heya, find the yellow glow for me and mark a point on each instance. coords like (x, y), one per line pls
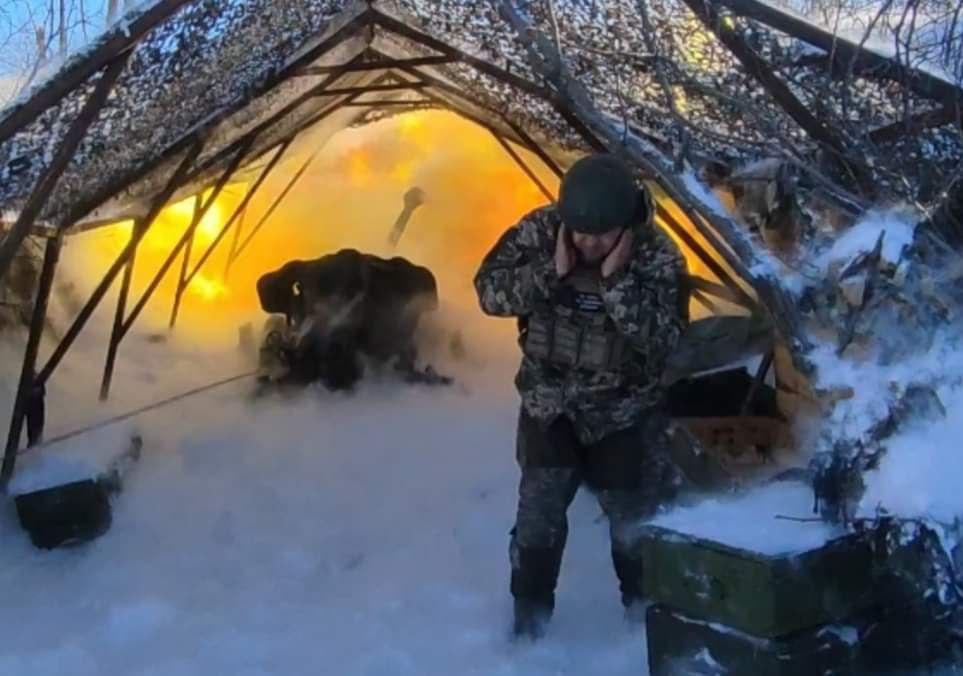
(349, 197)
(206, 288)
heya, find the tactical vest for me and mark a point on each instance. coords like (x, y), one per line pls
(575, 331)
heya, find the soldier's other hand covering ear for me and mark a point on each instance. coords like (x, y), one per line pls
(620, 256)
(565, 257)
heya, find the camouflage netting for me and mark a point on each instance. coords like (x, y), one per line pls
(662, 73)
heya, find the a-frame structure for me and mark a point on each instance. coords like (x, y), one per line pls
(185, 96)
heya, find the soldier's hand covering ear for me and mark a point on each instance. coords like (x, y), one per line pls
(620, 255)
(565, 257)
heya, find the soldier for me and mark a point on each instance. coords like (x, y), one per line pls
(596, 290)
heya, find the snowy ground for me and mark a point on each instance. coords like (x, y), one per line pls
(362, 535)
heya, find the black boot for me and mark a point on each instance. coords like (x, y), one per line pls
(531, 618)
(534, 574)
(629, 571)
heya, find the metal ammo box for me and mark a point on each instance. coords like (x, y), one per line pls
(766, 596)
(680, 645)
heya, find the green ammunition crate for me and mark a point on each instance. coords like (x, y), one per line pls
(762, 595)
(678, 645)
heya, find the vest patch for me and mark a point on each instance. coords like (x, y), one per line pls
(588, 302)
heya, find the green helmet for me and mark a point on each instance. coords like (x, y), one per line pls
(599, 194)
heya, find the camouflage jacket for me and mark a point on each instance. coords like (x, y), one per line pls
(644, 302)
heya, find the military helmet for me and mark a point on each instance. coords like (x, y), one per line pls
(599, 194)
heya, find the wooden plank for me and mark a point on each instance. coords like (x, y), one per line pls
(25, 386)
(159, 201)
(368, 89)
(65, 152)
(387, 104)
(119, 38)
(379, 64)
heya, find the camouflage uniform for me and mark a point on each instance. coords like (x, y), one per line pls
(602, 425)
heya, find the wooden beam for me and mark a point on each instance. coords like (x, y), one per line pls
(452, 90)
(379, 64)
(119, 38)
(114, 342)
(238, 231)
(172, 255)
(158, 203)
(348, 30)
(314, 119)
(185, 261)
(760, 70)
(726, 293)
(262, 128)
(64, 153)
(388, 104)
(241, 208)
(270, 211)
(703, 300)
(189, 237)
(368, 89)
(915, 124)
(737, 292)
(844, 52)
(26, 386)
(524, 167)
(393, 25)
(756, 383)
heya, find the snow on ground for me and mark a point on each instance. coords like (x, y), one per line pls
(323, 534)
(898, 223)
(920, 474)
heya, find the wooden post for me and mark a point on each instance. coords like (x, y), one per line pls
(158, 203)
(136, 235)
(179, 290)
(182, 242)
(238, 231)
(27, 386)
(757, 383)
(65, 152)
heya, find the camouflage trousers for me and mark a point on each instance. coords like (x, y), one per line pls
(629, 471)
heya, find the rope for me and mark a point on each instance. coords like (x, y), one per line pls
(138, 411)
